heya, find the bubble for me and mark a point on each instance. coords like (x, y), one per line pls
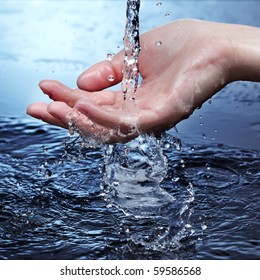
(158, 43)
(110, 78)
(207, 166)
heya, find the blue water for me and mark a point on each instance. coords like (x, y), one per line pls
(52, 205)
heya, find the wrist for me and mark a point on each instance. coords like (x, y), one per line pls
(246, 52)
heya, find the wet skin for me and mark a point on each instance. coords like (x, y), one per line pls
(195, 60)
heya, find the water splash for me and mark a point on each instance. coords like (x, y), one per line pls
(133, 171)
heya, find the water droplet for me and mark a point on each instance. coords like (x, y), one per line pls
(158, 43)
(111, 78)
(215, 130)
(177, 144)
(175, 179)
(71, 131)
(204, 136)
(192, 149)
(38, 170)
(45, 149)
(203, 227)
(115, 183)
(167, 145)
(210, 101)
(167, 14)
(47, 174)
(159, 4)
(110, 56)
(207, 166)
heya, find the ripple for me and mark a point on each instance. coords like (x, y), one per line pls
(214, 203)
(215, 176)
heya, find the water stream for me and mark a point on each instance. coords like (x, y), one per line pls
(132, 49)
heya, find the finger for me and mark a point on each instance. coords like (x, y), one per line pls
(105, 97)
(98, 114)
(60, 111)
(59, 92)
(97, 133)
(123, 123)
(102, 75)
(39, 111)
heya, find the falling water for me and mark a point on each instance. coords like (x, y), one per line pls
(133, 171)
(132, 49)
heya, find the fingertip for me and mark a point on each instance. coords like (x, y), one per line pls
(44, 85)
(102, 75)
(29, 109)
(53, 86)
(35, 109)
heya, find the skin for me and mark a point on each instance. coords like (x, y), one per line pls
(195, 60)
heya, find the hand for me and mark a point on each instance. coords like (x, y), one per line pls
(182, 64)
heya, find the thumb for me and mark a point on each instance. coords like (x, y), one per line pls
(102, 75)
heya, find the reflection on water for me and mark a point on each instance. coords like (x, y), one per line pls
(214, 210)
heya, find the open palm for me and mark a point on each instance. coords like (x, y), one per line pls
(182, 64)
